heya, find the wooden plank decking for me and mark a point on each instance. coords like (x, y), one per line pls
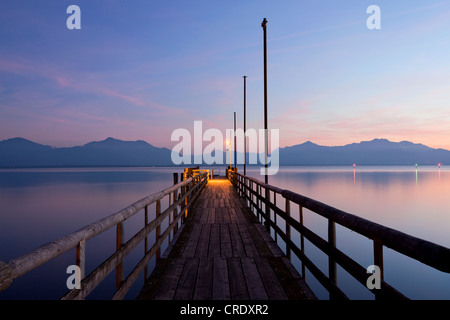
(223, 253)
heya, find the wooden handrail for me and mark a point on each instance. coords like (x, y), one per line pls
(429, 253)
(25, 263)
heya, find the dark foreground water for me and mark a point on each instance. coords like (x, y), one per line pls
(41, 205)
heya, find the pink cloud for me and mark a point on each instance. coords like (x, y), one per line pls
(115, 94)
(81, 83)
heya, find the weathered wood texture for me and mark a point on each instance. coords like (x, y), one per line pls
(5, 275)
(223, 253)
(253, 191)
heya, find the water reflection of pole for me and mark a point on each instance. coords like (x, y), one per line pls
(416, 173)
(354, 173)
(439, 165)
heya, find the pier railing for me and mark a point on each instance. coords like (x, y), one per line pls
(181, 196)
(261, 198)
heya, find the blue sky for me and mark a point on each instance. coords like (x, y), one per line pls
(141, 69)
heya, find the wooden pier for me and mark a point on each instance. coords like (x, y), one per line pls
(222, 253)
(217, 239)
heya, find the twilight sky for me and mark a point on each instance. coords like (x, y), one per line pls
(137, 70)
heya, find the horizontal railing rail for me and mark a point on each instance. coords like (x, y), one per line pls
(181, 197)
(261, 199)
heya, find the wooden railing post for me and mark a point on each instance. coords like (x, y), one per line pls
(186, 188)
(267, 209)
(288, 228)
(302, 239)
(174, 214)
(258, 202)
(239, 186)
(247, 192)
(242, 181)
(251, 197)
(158, 230)
(188, 198)
(275, 217)
(183, 203)
(192, 185)
(145, 241)
(81, 258)
(255, 197)
(170, 217)
(378, 261)
(119, 243)
(332, 274)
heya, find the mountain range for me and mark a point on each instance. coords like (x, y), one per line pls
(374, 152)
(19, 152)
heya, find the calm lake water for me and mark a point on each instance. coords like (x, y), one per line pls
(41, 205)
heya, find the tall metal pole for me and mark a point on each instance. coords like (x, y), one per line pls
(235, 155)
(266, 165)
(245, 125)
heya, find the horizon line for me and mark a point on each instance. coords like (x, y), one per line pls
(286, 146)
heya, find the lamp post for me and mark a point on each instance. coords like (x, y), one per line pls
(235, 155)
(245, 125)
(266, 177)
(266, 164)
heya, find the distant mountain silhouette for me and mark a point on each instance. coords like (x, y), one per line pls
(375, 152)
(19, 152)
